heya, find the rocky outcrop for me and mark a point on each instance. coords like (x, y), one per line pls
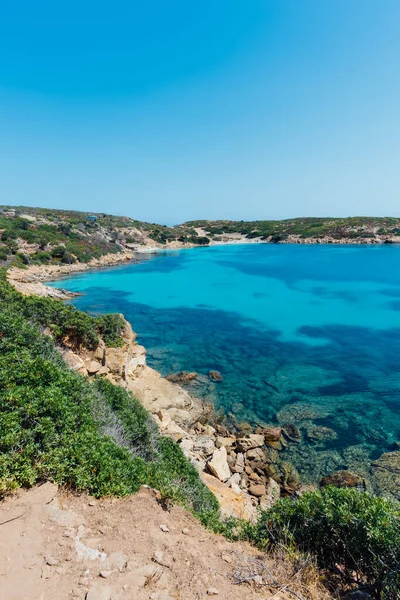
(386, 474)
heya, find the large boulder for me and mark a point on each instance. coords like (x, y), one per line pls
(254, 440)
(231, 503)
(218, 465)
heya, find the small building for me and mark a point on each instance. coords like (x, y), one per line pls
(92, 218)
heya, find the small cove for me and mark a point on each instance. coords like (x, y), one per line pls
(303, 334)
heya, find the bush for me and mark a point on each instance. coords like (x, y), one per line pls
(354, 536)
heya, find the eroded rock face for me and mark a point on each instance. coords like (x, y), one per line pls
(386, 474)
(231, 503)
(253, 440)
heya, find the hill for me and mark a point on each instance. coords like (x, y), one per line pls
(48, 236)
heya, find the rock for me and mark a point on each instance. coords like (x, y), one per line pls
(271, 434)
(212, 591)
(256, 457)
(187, 446)
(182, 377)
(238, 466)
(158, 557)
(186, 531)
(231, 504)
(272, 494)
(204, 444)
(93, 367)
(228, 442)
(52, 561)
(105, 574)
(97, 592)
(116, 560)
(315, 433)
(291, 432)
(215, 376)
(235, 478)
(209, 430)
(343, 479)
(386, 473)
(164, 528)
(218, 465)
(253, 440)
(257, 489)
(74, 361)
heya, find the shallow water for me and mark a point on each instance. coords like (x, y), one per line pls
(308, 334)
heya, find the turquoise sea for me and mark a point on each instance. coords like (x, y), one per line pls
(304, 334)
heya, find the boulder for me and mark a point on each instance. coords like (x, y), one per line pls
(257, 489)
(93, 367)
(218, 465)
(272, 494)
(343, 479)
(291, 432)
(255, 457)
(238, 466)
(182, 377)
(228, 442)
(231, 503)
(215, 376)
(204, 444)
(271, 434)
(249, 442)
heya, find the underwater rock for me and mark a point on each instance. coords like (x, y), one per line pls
(386, 473)
(343, 479)
(291, 432)
(215, 376)
(316, 433)
(181, 377)
(302, 411)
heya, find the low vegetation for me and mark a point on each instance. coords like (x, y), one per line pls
(353, 536)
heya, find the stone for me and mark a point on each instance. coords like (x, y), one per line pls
(93, 367)
(116, 560)
(218, 465)
(158, 557)
(291, 432)
(52, 561)
(238, 466)
(228, 442)
(271, 434)
(231, 504)
(343, 479)
(182, 377)
(255, 456)
(253, 440)
(316, 433)
(215, 376)
(272, 494)
(97, 592)
(186, 531)
(204, 444)
(105, 574)
(235, 478)
(212, 591)
(257, 489)
(164, 528)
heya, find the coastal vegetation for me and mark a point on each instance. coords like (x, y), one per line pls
(95, 436)
(38, 236)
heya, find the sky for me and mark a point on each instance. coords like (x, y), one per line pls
(215, 109)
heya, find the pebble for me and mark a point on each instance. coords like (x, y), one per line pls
(164, 528)
(105, 574)
(212, 591)
(51, 561)
(186, 531)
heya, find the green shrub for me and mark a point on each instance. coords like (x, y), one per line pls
(354, 536)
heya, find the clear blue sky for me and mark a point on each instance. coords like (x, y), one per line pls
(173, 110)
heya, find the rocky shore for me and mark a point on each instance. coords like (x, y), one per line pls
(243, 467)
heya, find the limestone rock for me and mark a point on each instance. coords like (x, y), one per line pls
(205, 445)
(271, 434)
(257, 489)
(228, 442)
(218, 465)
(181, 377)
(93, 367)
(253, 440)
(231, 504)
(74, 361)
(238, 465)
(272, 494)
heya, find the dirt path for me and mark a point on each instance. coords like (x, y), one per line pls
(57, 546)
